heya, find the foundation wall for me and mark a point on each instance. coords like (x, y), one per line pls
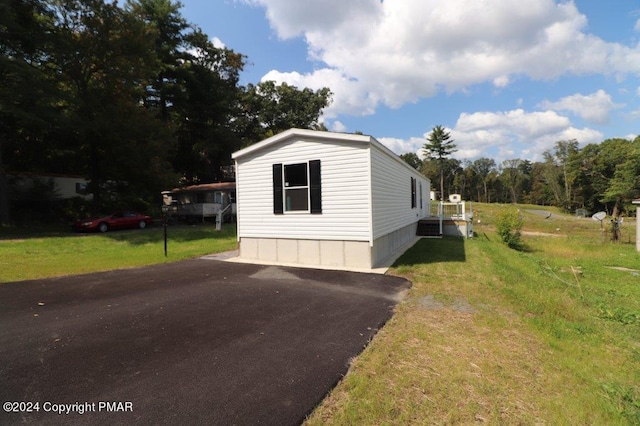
(326, 253)
(389, 244)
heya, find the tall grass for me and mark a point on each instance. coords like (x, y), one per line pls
(40, 255)
(487, 334)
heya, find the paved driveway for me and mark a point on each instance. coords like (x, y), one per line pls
(194, 342)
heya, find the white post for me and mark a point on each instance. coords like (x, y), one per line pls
(637, 203)
(219, 220)
(637, 229)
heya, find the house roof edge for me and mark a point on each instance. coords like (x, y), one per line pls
(287, 134)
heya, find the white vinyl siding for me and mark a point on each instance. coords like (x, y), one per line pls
(392, 193)
(345, 191)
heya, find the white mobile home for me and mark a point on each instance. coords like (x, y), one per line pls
(326, 199)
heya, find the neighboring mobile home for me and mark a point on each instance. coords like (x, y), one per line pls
(326, 199)
(203, 201)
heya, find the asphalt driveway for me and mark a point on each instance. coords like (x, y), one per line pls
(194, 342)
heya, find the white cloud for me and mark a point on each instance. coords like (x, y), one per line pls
(337, 126)
(401, 146)
(502, 81)
(349, 97)
(637, 26)
(217, 43)
(397, 52)
(594, 108)
(504, 135)
(498, 133)
(633, 115)
(298, 18)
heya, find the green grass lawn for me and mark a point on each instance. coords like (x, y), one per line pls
(487, 334)
(51, 253)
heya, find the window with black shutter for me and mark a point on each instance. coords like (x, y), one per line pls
(297, 188)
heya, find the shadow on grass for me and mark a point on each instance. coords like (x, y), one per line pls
(35, 231)
(153, 234)
(448, 249)
(176, 233)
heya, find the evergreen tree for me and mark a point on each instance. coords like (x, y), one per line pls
(439, 147)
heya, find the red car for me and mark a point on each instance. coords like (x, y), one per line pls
(119, 220)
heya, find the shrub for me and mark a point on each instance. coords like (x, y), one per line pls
(509, 224)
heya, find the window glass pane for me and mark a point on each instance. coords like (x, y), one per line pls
(296, 199)
(295, 175)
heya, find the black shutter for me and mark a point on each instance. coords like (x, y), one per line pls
(413, 193)
(315, 188)
(277, 189)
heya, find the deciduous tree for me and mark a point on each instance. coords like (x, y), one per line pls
(268, 109)
(484, 167)
(512, 177)
(102, 60)
(27, 94)
(412, 159)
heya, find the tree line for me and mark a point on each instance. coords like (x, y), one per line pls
(596, 177)
(133, 97)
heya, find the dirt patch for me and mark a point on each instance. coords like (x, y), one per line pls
(458, 305)
(541, 234)
(623, 269)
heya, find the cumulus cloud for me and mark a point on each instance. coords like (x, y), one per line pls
(337, 126)
(217, 43)
(402, 146)
(397, 52)
(349, 97)
(503, 135)
(594, 108)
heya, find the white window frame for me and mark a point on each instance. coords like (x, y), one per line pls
(285, 188)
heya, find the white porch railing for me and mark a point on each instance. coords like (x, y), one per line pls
(452, 211)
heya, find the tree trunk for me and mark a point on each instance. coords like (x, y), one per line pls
(615, 224)
(486, 193)
(95, 178)
(5, 211)
(616, 209)
(441, 183)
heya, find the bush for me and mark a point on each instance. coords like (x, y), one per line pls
(509, 223)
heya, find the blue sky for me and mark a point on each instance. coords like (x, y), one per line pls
(507, 78)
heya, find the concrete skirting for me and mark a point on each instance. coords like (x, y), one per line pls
(388, 245)
(328, 254)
